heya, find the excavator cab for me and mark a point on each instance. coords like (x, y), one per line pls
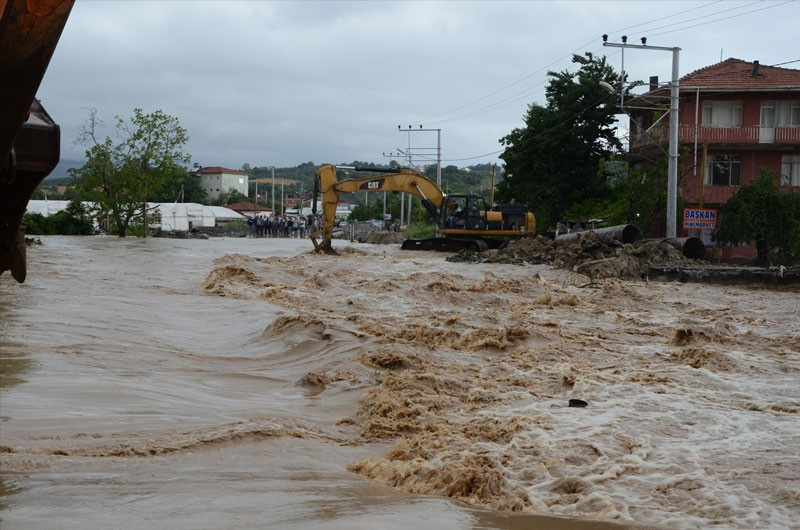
(463, 212)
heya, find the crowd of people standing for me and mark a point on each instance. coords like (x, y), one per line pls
(282, 225)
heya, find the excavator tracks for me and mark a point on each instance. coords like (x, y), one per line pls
(445, 244)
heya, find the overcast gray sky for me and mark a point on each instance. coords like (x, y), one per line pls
(282, 83)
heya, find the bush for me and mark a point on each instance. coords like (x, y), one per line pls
(236, 225)
(35, 224)
(420, 230)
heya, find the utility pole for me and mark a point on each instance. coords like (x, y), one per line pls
(674, 99)
(144, 211)
(273, 190)
(302, 197)
(491, 189)
(422, 150)
(424, 154)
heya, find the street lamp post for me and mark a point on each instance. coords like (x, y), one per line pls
(674, 98)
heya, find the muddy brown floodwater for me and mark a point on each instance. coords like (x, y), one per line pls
(236, 383)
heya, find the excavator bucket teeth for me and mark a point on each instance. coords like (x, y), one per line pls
(324, 246)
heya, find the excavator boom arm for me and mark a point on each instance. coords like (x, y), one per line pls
(396, 180)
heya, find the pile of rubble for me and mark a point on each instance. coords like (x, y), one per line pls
(382, 237)
(589, 254)
(368, 232)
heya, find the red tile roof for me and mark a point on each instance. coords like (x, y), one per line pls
(736, 74)
(215, 170)
(247, 207)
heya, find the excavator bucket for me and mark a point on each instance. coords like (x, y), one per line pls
(323, 246)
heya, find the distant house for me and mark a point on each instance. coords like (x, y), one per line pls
(249, 209)
(216, 180)
(735, 118)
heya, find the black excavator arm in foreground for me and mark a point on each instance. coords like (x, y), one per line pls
(29, 138)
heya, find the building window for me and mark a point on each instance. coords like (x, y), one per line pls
(790, 170)
(780, 113)
(722, 113)
(723, 170)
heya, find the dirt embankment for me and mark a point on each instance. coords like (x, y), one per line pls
(598, 258)
(589, 254)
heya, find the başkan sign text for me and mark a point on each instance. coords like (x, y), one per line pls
(699, 219)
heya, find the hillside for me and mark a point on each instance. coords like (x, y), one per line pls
(61, 170)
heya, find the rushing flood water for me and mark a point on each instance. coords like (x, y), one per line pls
(235, 383)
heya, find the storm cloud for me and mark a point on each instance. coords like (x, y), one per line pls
(282, 83)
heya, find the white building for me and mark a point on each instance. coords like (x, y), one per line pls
(47, 208)
(183, 216)
(217, 180)
(174, 216)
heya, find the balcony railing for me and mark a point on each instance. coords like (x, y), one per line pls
(720, 135)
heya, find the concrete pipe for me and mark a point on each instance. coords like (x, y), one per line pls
(623, 233)
(690, 247)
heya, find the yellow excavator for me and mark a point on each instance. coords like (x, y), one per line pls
(29, 138)
(463, 221)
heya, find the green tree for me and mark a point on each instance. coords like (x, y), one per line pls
(455, 180)
(760, 212)
(231, 196)
(362, 212)
(637, 195)
(553, 161)
(181, 186)
(75, 220)
(120, 177)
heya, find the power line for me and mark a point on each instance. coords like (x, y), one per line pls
(519, 95)
(787, 62)
(505, 87)
(540, 134)
(726, 18)
(530, 89)
(666, 17)
(699, 18)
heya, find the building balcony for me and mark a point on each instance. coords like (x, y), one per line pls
(719, 136)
